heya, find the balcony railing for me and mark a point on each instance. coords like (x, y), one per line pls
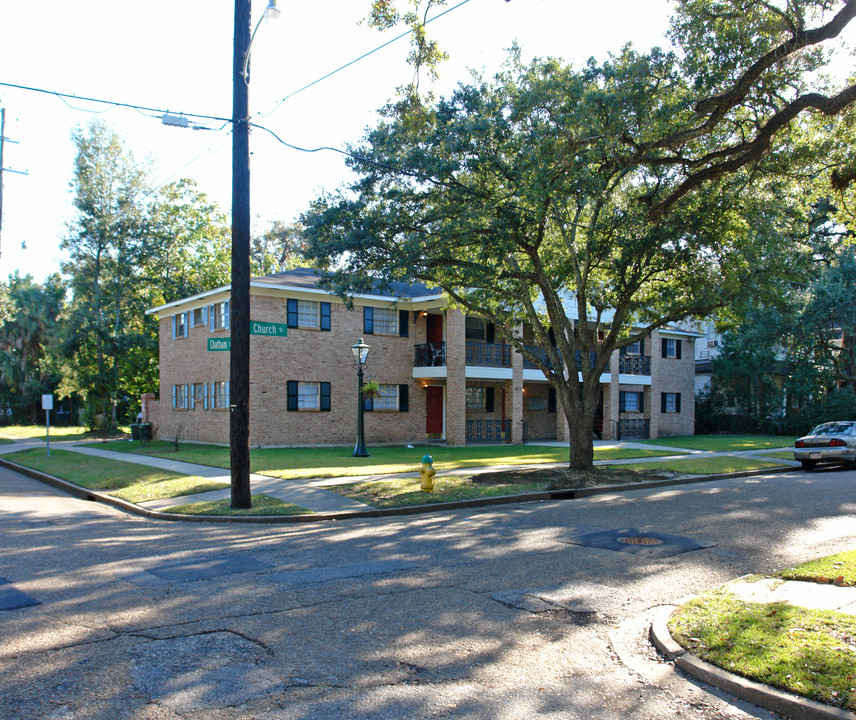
(538, 352)
(633, 428)
(488, 354)
(634, 365)
(430, 355)
(488, 430)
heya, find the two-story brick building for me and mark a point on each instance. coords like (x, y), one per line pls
(441, 375)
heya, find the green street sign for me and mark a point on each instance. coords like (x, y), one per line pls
(268, 328)
(219, 343)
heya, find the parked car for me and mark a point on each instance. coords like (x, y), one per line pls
(832, 442)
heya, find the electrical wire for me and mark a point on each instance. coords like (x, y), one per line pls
(356, 60)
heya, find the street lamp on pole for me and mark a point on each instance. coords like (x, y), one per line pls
(361, 352)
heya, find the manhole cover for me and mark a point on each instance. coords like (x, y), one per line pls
(637, 540)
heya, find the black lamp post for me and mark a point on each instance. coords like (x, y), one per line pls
(361, 352)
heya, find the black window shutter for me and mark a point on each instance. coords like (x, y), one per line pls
(325, 396)
(677, 402)
(665, 351)
(551, 400)
(488, 399)
(622, 401)
(641, 346)
(623, 351)
(325, 316)
(678, 349)
(403, 323)
(368, 321)
(403, 398)
(291, 386)
(641, 402)
(663, 402)
(489, 332)
(291, 320)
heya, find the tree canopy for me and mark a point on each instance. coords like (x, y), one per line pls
(597, 204)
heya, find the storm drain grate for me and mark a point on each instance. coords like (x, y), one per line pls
(647, 543)
(639, 540)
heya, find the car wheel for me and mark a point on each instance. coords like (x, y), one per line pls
(808, 464)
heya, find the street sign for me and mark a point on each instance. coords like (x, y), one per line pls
(268, 328)
(47, 402)
(257, 327)
(219, 343)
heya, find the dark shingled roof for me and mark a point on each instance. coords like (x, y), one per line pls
(309, 277)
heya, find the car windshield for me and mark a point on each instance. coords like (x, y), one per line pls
(833, 428)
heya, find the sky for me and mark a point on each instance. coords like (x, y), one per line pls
(176, 56)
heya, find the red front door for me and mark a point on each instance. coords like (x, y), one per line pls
(434, 410)
(435, 328)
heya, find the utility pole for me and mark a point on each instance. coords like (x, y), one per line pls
(239, 357)
(2, 141)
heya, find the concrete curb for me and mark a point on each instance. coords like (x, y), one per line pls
(549, 495)
(779, 701)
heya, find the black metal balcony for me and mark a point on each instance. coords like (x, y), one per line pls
(634, 365)
(430, 355)
(488, 354)
(488, 431)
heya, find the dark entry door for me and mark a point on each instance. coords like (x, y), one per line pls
(434, 411)
(435, 329)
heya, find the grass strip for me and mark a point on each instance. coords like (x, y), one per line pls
(703, 466)
(262, 505)
(722, 443)
(840, 567)
(807, 652)
(406, 492)
(11, 433)
(129, 481)
(306, 462)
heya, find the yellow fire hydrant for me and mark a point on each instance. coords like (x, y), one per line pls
(428, 473)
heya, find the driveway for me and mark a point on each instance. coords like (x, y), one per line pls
(499, 613)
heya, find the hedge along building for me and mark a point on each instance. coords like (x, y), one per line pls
(442, 375)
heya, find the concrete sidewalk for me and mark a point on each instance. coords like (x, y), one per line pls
(310, 493)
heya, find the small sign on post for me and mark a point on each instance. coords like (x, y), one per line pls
(47, 406)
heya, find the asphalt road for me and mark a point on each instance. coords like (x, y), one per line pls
(488, 614)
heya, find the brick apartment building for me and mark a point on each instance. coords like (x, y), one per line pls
(442, 375)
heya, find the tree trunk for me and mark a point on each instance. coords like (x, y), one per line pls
(582, 447)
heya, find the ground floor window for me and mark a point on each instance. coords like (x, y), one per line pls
(180, 397)
(630, 401)
(670, 402)
(220, 394)
(303, 395)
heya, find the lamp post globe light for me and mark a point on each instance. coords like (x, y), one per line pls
(361, 352)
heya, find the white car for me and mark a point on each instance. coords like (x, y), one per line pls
(832, 442)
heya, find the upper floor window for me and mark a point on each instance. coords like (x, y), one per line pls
(474, 328)
(198, 316)
(179, 325)
(218, 316)
(634, 348)
(308, 314)
(671, 348)
(385, 321)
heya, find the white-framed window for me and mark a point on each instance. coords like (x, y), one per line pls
(218, 316)
(308, 395)
(630, 401)
(475, 398)
(308, 313)
(198, 316)
(180, 397)
(199, 396)
(179, 325)
(634, 348)
(386, 321)
(670, 402)
(387, 398)
(671, 348)
(220, 394)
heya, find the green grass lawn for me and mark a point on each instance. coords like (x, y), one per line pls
(11, 433)
(408, 492)
(723, 443)
(840, 567)
(337, 461)
(807, 652)
(262, 505)
(134, 483)
(704, 466)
